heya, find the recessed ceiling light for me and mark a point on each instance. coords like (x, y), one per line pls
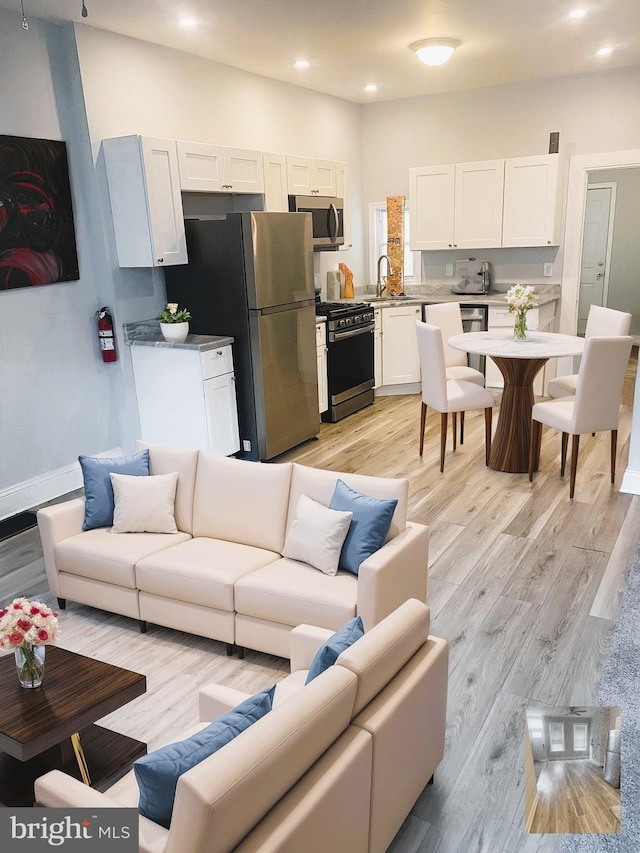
(188, 22)
(302, 63)
(371, 88)
(578, 13)
(605, 51)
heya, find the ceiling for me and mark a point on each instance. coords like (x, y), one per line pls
(351, 43)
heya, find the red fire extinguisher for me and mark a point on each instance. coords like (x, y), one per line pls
(105, 334)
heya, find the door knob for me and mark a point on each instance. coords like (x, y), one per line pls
(599, 275)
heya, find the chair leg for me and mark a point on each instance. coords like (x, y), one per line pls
(461, 428)
(488, 418)
(455, 430)
(575, 446)
(534, 446)
(443, 438)
(563, 453)
(423, 420)
(614, 446)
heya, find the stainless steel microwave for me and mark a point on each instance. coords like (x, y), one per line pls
(327, 216)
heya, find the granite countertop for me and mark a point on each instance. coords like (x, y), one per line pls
(544, 296)
(147, 333)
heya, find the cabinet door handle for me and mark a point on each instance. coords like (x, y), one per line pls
(227, 186)
(160, 261)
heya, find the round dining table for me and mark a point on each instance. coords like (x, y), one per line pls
(518, 361)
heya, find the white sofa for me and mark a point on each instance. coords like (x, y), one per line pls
(222, 575)
(335, 766)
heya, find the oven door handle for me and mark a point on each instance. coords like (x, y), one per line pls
(336, 337)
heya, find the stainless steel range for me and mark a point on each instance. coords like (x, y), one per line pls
(349, 357)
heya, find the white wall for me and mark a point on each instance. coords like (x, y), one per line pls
(54, 390)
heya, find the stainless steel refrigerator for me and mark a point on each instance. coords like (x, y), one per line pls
(611, 770)
(250, 275)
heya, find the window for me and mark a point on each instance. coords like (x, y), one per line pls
(378, 243)
(556, 736)
(580, 737)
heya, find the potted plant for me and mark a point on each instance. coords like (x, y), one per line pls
(174, 323)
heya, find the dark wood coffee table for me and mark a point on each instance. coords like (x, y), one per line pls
(37, 725)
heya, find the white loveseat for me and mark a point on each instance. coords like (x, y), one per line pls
(335, 766)
(222, 575)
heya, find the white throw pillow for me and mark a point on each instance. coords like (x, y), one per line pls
(144, 504)
(316, 535)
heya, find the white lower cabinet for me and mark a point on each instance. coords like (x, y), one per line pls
(321, 358)
(500, 320)
(400, 361)
(187, 397)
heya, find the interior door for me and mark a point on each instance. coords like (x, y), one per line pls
(598, 223)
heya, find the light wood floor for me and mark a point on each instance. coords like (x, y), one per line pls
(573, 797)
(523, 583)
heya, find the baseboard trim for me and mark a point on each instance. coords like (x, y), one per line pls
(397, 390)
(45, 487)
(631, 482)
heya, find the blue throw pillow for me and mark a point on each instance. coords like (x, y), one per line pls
(157, 774)
(327, 654)
(369, 526)
(99, 503)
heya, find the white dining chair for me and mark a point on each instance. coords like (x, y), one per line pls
(447, 395)
(448, 318)
(601, 322)
(595, 407)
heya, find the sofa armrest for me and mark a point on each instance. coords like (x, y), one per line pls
(58, 790)
(394, 573)
(305, 641)
(214, 700)
(58, 522)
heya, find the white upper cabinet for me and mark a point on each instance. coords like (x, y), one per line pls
(307, 176)
(144, 189)
(478, 205)
(431, 200)
(456, 206)
(214, 168)
(531, 201)
(275, 183)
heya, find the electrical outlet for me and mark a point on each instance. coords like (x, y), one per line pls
(547, 269)
(448, 269)
(246, 445)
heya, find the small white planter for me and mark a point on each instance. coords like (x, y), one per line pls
(174, 333)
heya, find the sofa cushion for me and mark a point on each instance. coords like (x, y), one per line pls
(369, 525)
(106, 556)
(241, 501)
(328, 652)
(317, 535)
(202, 571)
(386, 648)
(144, 504)
(165, 460)
(97, 484)
(320, 484)
(292, 593)
(158, 772)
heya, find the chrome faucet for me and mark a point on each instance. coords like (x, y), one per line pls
(389, 272)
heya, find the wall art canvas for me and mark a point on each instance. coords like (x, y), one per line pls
(37, 236)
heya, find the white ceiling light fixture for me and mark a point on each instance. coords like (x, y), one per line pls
(188, 23)
(371, 87)
(605, 51)
(302, 63)
(435, 51)
(578, 13)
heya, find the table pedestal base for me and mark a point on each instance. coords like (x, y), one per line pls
(510, 445)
